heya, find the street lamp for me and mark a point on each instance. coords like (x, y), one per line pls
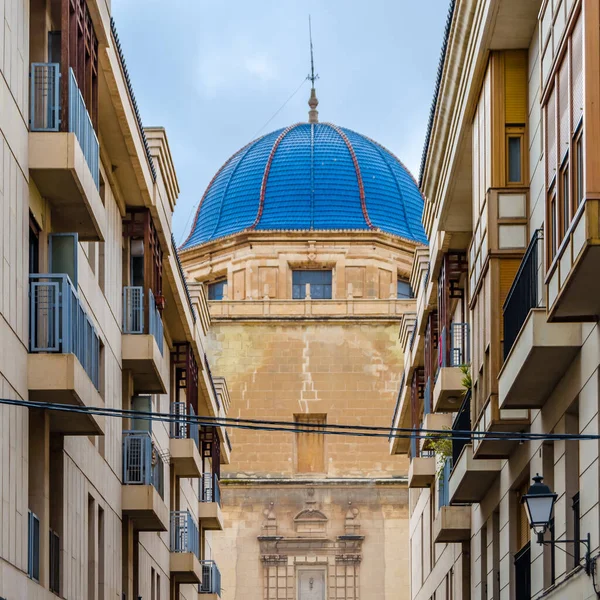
(539, 504)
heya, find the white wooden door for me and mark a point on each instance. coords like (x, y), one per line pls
(311, 584)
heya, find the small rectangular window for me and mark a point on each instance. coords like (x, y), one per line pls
(216, 290)
(63, 254)
(54, 574)
(404, 290)
(33, 547)
(514, 160)
(319, 281)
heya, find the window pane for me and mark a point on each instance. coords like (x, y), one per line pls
(579, 174)
(404, 289)
(217, 290)
(514, 160)
(320, 284)
(565, 202)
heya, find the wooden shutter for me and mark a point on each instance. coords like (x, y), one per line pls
(310, 447)
(515, 87)
(577, 73)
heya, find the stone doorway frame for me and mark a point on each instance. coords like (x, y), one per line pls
(310, 566)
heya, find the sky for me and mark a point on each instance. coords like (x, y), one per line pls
(218, 73)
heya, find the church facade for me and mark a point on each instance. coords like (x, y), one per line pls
(304, 242)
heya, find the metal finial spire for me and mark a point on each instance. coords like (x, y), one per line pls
(313, 114)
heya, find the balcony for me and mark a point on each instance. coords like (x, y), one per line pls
(211, 580)
(64, 160)
(209, 502)
(143, 483)
(573, 285)
(537, 353)
(493, 420)
(142, 341)
(64, 359)
(185, 548)
(184, 441)
(421, 471)
(448, 390)
(471, 478)
(452, 524)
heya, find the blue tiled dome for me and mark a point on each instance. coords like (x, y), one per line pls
(310, 177)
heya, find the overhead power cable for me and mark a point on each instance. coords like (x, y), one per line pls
(298, 427)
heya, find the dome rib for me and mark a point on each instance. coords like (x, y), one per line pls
(263, 186)
(361, 187)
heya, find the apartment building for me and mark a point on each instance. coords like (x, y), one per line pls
(96, 319)
(504, 340)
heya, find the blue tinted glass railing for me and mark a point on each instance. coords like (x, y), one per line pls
(45, 111)
(444, 483)
(209, 488)
(44, 107)
(133, 314)
(142, 464)
(80, 124)
(59, 323)
(459, 351)
(184, 533)
(183, 426)
(211, 578)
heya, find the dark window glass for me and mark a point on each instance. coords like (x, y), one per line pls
(33, 550)
(523, 573)
(216, 290)
(579, 171)
(553, 231)
(514, 160)
(34, 248)
(565, 201)
(320, 284)
(404, 289)
(576, 529)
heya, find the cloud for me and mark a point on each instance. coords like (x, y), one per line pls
(236, 66)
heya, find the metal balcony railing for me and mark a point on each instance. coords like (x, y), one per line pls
(526, 291)
(211, 578)
(184, 426)
(184, 533)
(142, 463)
(443, 483)
(209, 488)
(45, 111)
(458, 353)
(58, 322)
(133, 314)
(462, 423)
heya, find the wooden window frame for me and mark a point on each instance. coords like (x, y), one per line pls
(515, 132)
(577, 197)
(563, 186)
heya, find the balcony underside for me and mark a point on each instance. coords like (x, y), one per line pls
(421, 472)
(61, 378)
(143, 358)
(62, 176)
(143, 504)
(448, 391)
(210, 516)
(471, 478)
(185, 567)
(491, 446)
(452, 524)
(185, 457)
(434, 422)
(537, 361)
